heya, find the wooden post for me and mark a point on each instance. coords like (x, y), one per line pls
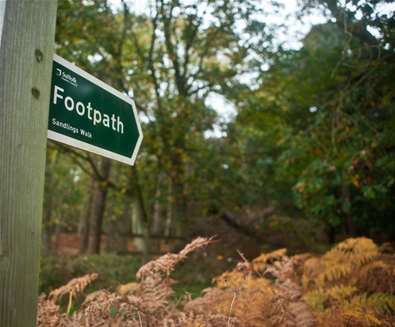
(27, 30)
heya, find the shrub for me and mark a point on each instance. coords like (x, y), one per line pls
(112, 269)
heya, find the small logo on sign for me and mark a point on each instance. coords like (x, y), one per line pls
(66, 77)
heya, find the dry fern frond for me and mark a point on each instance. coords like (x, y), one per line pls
(128, 288)
(260, 263)
(321, 298)
(381, 303)
(190, 319)
(281, 270)
(302, 314)
(154, 293)
(166, 263)
(360, 317)
(341, 293)
(350, 286)
(143, 304)
(73, 287)
(277, 313)
(154, 287)
(334, 273)
(231, 279)
(288, 307)
(239, 295)
(357, 251)
(103, 308)
(377, 276)
(343, 317)
(48, 313)
(340, 264)
(316, 299)
(299, 262)
(246, 305)
(311, 269)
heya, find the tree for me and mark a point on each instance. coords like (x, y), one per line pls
(333, 119)
(172, 59)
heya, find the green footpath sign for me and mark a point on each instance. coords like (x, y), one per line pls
(88, 114)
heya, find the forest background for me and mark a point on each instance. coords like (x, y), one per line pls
(305, 160)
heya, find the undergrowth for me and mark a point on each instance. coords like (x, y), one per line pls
(113, 269)
(353, 284)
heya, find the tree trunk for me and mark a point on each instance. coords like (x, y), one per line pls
(179, 198)
(169, 209)
(119, 230)
(84, 224)
(331, 231)
(140, 227)
(157, 214)
(157, 208)
(26, 48)
(140, 216)
(348, 219)
(179, 209)
(98, 208)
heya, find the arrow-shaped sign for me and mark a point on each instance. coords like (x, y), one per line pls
(91, 115)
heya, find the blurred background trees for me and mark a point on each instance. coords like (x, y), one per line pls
(311, 138)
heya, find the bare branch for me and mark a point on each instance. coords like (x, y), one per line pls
(172, 48)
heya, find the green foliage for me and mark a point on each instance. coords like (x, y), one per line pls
(302, 234)
(53, 273)
(344, 143)
(314, 130)
(193, 289)
(320, 122)
(174, 59)
(113, 270)
(65, 185)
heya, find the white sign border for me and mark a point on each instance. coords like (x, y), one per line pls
(89, 147)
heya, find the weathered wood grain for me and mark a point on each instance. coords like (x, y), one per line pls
(26, 49)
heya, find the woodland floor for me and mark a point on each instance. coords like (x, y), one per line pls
(352, 284)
